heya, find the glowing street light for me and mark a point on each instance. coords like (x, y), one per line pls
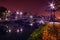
(17, 12)
(17, 30)
(31, 24)
(9, 30)
(0, 18)
(31, 16)
(21, 13)
(21, 29)
(6, 18)
(52, 10)
(9, 11)
(52, 5)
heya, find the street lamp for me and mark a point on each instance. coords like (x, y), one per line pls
(52, 5)
(6, 18)
(17, 30)
(21, 13)
(52, 8)
(9, 11)
(0, 18)
(17, 12)
(21, 29)
(9, 30)
(31, 24)
(31, 16)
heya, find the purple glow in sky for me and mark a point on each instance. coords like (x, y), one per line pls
(34, 6)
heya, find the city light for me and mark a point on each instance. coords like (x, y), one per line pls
(21, 29)
(17, 30)
(6, 18)
(31, 24)
(52, 5)
(31, 16)
(9, 30)
(32, 21)
(9, 11)
(21, 13)
(41, 22)
(0, 18)
(17, 12)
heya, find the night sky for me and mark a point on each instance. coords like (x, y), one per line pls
(32, 6)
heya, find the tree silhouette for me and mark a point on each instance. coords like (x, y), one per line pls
(2, 9)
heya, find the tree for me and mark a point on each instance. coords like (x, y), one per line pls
(37, 34)
(3, 12)
(46, 32)
(2, 9)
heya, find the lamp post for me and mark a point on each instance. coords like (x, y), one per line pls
(52, 8)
